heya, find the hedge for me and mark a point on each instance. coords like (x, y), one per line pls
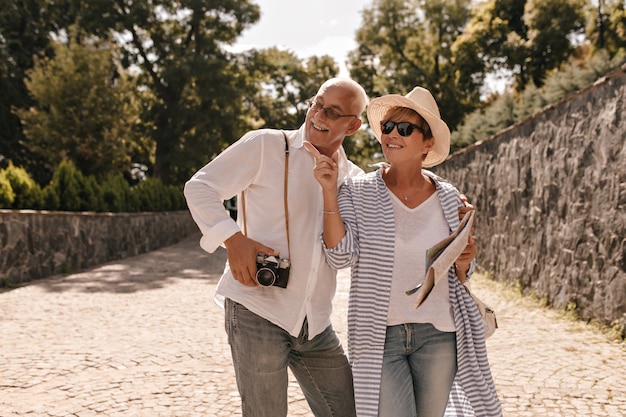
(70, 190)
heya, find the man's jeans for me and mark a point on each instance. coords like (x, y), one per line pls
(262, 352)
(419, 366)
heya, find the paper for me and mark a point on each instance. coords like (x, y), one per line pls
(441, 256)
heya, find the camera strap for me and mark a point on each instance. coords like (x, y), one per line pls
(285, 183)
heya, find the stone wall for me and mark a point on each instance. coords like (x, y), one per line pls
(550, 195)
(37, 244)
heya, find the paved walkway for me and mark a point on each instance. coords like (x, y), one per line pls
(142, 337)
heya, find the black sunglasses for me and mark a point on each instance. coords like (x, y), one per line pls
(404, 128)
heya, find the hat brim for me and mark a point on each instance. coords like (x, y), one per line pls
(379, 107)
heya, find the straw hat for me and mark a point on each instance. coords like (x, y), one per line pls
(423, 102)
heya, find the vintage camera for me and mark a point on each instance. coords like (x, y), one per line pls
(271, 271)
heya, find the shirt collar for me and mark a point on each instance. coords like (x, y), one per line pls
(299, 137)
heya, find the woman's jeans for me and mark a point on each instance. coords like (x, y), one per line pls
(261, 354)
(419, 366)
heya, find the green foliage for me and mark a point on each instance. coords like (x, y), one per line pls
(404, 43)
(194, 85)
(527, 38)
(177, 198)
(579, 73)
(551, 24)
(90, 195)
(509, 108)
(606, 25)
(51, 199)
(617, 330)
(7, 195)
(483, 123)
(70, 190)
(85, 110)
(28, 194)
(153, 196)
(275, 106)
(117, 195)
(68, 182)
(24, 34)
(279, 84)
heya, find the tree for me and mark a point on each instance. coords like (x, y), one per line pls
(24, 27)
(508, 108)
(85, 110)
(404, 43)
(492, 42)
(195, 89)
(606, 25)
(526, 38)
(551, 26)
(279, 85)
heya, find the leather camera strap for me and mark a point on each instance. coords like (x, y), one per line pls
(285, 188)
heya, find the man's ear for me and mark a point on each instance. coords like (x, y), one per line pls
(354, 126)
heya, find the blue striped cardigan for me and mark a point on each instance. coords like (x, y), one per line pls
(368, 249)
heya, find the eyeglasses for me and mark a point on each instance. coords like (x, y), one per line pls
(404, 128)
(329, 113)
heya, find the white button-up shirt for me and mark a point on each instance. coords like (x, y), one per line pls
(255, 164)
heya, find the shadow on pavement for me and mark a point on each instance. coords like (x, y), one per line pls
(152, 270)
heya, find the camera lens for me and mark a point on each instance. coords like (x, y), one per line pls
(265, 277)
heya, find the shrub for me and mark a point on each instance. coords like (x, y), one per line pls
(117, 195)
(152, 196)
(7, 195)
(177, 198)
(66, 185)
(28, 194)
(90, 194)
(70, 190)
(75, 191)
(51, 200)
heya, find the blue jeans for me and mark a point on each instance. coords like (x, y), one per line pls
(419, 366)
(261, 354)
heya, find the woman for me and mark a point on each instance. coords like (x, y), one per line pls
(406, 361)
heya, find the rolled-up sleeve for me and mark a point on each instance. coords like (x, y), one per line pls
(221, 179)
(212, 219)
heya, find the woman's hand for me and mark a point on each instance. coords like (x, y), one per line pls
(326, 169)
(465, 208)
(464, 260)
(326, 172)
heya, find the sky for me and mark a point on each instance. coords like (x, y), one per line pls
(322, 27)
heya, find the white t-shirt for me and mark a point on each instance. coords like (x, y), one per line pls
(417, 229)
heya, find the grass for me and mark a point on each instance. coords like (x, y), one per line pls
(614, 331)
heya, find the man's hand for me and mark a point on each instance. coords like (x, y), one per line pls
(241, 252)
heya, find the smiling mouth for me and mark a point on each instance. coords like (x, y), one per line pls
(318, 127)
(394, 146)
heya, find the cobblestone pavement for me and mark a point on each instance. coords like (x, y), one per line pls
(142, 337)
